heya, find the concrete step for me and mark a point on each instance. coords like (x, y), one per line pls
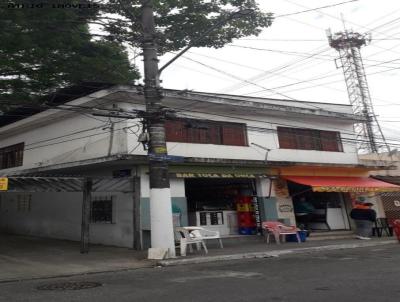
(330, 235)
(315, 235)
(324, 233)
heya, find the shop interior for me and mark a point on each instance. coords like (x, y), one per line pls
(212, 203)
(321, 211)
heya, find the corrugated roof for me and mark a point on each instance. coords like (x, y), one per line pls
(68, 184)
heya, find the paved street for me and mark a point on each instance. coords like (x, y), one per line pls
(366, 274)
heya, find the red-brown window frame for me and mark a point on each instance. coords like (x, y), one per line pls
(12, 156)
(309, 139)
(206, 132)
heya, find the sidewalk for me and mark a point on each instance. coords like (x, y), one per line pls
(259, 249)
(25, 258)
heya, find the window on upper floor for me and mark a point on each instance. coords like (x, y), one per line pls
(206, 132)
(309, 139)
(11, 156)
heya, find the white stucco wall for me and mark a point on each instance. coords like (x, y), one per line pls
(177, 185)
(58, 215)
(266, 136)
(71, 138)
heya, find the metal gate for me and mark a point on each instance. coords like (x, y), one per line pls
(391, 205)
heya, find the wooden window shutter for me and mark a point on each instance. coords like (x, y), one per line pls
(215, 134)
(330, 141)
(203, 136)
(175, 131)
(305, 139)
(234, 135)
(205, 132)
(286, 138)
(191, 134)
(197, 135)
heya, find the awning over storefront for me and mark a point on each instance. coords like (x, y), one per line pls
(219, 175)
(343, 184)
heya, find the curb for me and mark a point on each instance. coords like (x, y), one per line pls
(271, 254)
(83, 273)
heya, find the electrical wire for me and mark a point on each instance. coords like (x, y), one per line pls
(314, 9)
(263, 130)
(235, 77)
(345, 140)
(202, 112)
(253, 80)
(178, 109)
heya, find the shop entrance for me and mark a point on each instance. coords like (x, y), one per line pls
(212, 202)
(319, 210)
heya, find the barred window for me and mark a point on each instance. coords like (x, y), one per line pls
(309, 139)
(24, 202)
(102, 210)
(11, 156)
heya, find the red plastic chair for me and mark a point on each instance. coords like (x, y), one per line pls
(396, 228)
(278, 229)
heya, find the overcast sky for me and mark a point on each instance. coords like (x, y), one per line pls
(282, 58)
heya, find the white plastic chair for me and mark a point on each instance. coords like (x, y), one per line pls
(202, 233)
(185, 239)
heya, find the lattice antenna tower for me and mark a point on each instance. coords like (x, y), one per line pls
(370, 138)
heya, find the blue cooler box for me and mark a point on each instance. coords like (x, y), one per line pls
(247, 231)
(292, 237)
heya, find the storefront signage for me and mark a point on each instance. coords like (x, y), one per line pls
(122, 173)
(281, 188)
(285, 208)
(3, 184)
(166, 157)
(352, 189)
(220, 175)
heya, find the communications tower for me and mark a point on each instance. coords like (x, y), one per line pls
(369, 134)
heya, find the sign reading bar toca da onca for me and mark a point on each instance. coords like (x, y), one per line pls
(3, 183)
(220, 175)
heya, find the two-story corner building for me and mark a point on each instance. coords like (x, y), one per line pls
(225, 152)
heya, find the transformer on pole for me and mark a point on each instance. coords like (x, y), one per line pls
(370, 138)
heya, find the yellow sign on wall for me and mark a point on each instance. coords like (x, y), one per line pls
(3, 183)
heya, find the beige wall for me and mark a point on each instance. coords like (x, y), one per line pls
(382, 160)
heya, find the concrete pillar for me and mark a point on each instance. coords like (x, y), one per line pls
(162, 234)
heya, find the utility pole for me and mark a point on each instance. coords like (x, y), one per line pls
(162, 232)
(162, 229)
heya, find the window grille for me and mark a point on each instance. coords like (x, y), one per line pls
(24, 202)
(102, 210)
